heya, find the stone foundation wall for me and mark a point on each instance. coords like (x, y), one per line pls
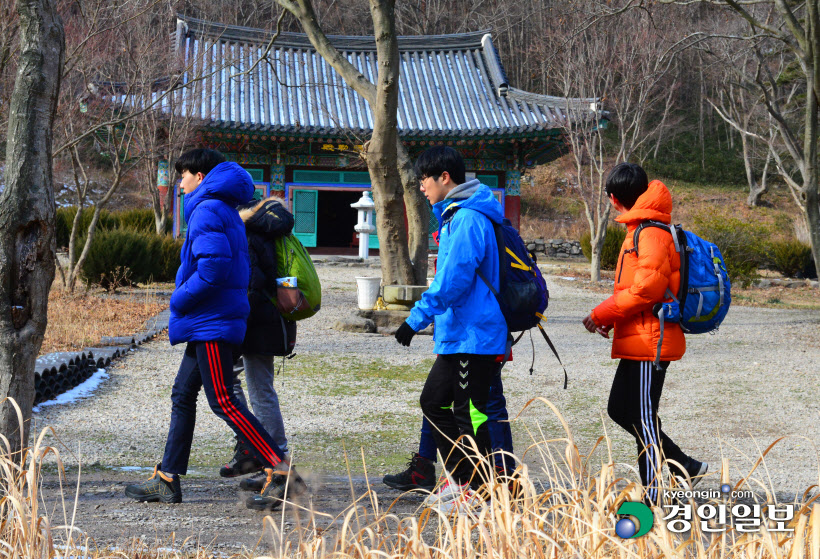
(555, 248)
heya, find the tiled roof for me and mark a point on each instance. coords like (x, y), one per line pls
(451, 85)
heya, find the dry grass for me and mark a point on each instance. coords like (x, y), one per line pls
(79, 320)
(569, 511)
(776, 297)
(550, 210)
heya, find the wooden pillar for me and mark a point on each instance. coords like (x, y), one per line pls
(512, 197)
(163, 181)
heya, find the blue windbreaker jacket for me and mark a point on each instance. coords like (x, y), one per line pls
(210, 302)
(467, 316)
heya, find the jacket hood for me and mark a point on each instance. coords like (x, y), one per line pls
(227, 182)
(481, 199)
(267, 217)
(654, 204)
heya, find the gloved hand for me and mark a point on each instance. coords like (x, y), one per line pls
(405, 334)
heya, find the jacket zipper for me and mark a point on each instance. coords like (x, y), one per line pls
(621, 266)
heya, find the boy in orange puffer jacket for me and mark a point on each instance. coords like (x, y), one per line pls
(642, 279)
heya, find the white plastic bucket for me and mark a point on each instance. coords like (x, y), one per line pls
(368, 291)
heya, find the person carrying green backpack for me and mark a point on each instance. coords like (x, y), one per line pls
(271, 324)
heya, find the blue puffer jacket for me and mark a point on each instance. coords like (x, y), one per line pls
(468, 318)
(210, 302)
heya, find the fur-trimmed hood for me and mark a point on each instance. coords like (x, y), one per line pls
(267, 217)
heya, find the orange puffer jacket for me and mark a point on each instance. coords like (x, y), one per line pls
(641, 281)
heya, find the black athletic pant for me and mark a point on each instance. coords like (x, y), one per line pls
(633, 404)
(454, 399)
(209, 365)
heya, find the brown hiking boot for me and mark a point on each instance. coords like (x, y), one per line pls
(279, 486)
(160, 487)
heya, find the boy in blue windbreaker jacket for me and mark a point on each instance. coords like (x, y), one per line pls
(209, 309)
(470, 329)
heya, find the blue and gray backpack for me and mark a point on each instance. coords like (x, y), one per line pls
(705, 291)
(523, 296)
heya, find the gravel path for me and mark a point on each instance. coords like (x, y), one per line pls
(731, 396)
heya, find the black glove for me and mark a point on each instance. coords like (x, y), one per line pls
(405, 334)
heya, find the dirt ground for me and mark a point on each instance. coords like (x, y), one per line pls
(357, 395)
(213, 515)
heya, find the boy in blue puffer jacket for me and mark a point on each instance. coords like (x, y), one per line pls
(470, 330)
(209, 309)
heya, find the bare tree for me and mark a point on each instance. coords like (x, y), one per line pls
(120, 108)
(392, 183)
(785, 36)
(102, 87)
(162, 135)
(740, 104)
(626, 62)
(115, 146)
(27, 210)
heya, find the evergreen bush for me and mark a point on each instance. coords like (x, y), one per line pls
(146, 255)
(169, 259)
(65, 220)
(138, 220)
(791, 258)
(611, 250)
(742, 244)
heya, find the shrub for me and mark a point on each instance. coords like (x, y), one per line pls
(742, 244)
(65, 220)
(138, 220)
(611, 250)
(791, 258)
(169, 259)
(115, 250)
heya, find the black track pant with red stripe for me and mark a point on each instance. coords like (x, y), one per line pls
(209, 365)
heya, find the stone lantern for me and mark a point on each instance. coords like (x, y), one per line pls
(364, 226)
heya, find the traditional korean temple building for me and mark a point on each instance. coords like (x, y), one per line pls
(296, 127)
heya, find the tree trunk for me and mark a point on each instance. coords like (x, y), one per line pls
(89, 237)
(596, 243)
(388, 193)
(757, 189)
(418, 217)
(382, 150)
(27, 210)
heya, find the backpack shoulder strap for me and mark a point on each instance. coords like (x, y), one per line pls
(651, 223)
(499, 241)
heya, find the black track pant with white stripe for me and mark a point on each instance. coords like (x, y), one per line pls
(633, 404)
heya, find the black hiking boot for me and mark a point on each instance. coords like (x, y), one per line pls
(257, 482)
(159, 488)
(273, 494)
(420, 474)
(242, 463)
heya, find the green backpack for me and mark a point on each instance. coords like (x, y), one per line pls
(292, 261)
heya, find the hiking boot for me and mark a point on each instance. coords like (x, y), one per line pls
(447, 492)
(257, 482)
(513, 481)
(694, 473)
(242, 463)
(420, 474)
(160, 487)
(465, 501)
(273, 494)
